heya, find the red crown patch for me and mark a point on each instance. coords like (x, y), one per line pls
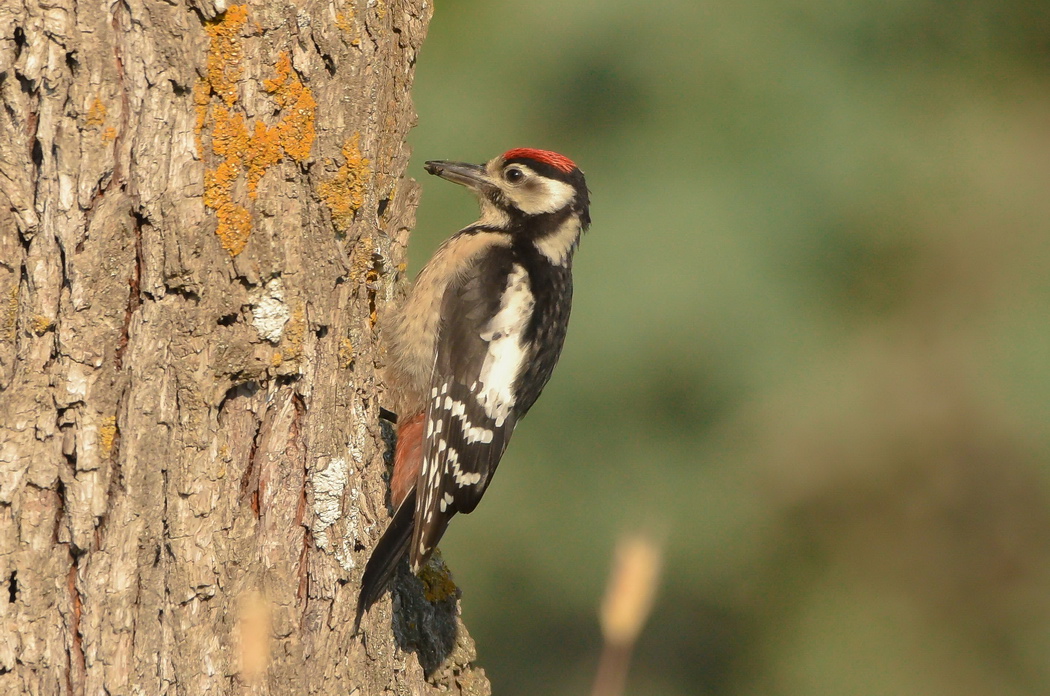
(559, 162)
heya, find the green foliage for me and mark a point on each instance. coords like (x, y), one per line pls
(810, 340)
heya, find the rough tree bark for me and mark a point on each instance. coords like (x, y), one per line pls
(203, 215)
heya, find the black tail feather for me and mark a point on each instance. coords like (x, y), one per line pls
(392, 547)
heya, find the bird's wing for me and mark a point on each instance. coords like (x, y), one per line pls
(470, 412)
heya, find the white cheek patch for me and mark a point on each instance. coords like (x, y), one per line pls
(506, 353)
(548, 196)
(559, 245)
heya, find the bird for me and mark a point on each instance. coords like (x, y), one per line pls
(474, 344)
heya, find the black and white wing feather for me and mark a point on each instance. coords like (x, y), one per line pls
(471, 411)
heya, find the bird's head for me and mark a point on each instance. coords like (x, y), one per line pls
(520, 185)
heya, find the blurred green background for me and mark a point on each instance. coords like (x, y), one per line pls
(810, 342)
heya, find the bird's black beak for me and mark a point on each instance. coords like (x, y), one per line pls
(470, 175)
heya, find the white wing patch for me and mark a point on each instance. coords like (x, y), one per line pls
(506, 354)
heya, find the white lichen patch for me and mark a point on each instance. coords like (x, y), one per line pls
(328, 486)
(269, 311)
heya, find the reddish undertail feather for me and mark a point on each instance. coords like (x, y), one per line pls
(559, 162)
(408, 458)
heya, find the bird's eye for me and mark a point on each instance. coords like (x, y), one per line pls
(513, 175)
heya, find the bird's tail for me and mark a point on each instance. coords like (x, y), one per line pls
(387, 554)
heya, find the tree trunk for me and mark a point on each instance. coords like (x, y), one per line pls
(203, 217)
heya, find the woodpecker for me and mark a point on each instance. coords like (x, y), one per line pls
(474, 344)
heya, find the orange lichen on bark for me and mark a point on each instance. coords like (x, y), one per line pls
(245, 150)
(344, 193)
(235, 226)
(344, 21)
(235, 222)
(41, 324)
(225, 52)
(296, 127)
(229, 136)
(264, 151)
(96, 114)
(107, 435)
(256, 152)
